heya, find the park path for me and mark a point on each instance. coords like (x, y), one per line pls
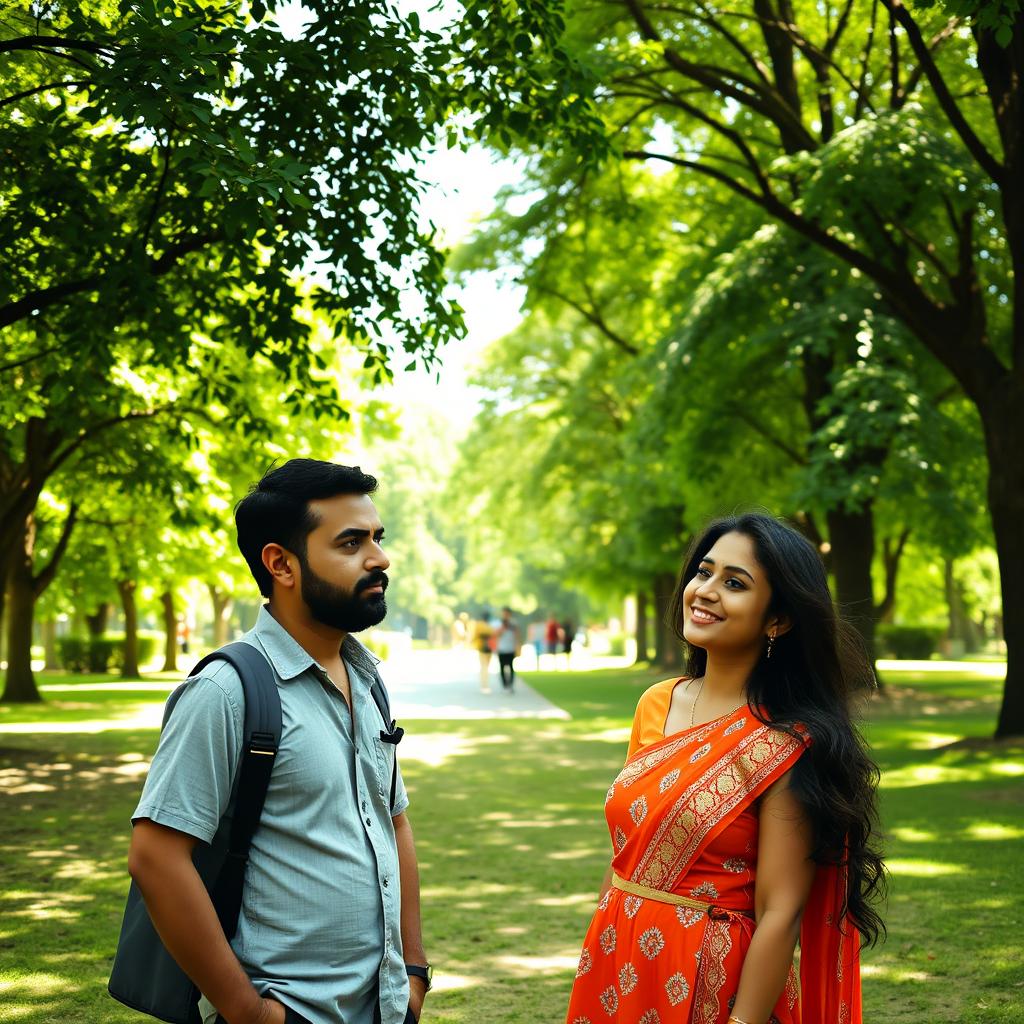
(433, 684)
(445, 684)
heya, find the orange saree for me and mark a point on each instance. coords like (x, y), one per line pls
(667, 942)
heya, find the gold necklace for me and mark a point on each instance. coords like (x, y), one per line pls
(696, 697)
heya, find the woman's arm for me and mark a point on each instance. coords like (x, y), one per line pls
(785, 873)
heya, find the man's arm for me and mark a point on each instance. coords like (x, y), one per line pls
(412, 934)
(160, 861)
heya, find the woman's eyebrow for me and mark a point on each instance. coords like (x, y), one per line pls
(731, 568)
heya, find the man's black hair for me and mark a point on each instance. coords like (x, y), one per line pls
(276, 510)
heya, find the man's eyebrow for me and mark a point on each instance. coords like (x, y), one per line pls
(354, 532)
(730, 568)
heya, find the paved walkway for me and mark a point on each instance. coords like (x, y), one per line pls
(446, 684)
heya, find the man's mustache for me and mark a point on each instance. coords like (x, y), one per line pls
(375, 579)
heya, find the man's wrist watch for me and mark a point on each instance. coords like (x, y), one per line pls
(424, 971)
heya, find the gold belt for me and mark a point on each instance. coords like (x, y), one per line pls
(647, 893)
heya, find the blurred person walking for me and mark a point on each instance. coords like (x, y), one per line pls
(508, 649)
(482, 633)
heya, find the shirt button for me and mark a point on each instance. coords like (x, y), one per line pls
(368, 822)
(385, 883)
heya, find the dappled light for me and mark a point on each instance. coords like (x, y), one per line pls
(512, 845)
(923, 868)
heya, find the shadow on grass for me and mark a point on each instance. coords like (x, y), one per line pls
(512, 845)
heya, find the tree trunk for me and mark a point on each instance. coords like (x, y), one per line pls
(49, 630)
(222, 604)
(667, 652)
(96, 622)
(852, 537)
(1004, 441)
(170, 632)
(641, 626)
(130, 667)
(20, 612)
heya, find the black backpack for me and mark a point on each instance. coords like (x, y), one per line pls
(144, 975)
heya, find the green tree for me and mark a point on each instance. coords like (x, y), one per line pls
(168, 171)
(890, 141)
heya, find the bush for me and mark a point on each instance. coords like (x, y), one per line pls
(86, 653)
(147, 643)
(617, 645)
(102, 653)
(912, 643)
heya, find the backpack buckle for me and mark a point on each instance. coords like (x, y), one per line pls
(262, 743)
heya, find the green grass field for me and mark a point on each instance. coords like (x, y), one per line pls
(508, 817)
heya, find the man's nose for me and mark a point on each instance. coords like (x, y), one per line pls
(377, 558)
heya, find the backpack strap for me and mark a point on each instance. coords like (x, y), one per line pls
(262, 736)
(392, 731)
(360, 657)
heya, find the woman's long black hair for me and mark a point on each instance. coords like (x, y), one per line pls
(816, 671)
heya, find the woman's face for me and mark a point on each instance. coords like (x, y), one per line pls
(725, 605)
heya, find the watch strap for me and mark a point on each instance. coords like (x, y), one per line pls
(420, 971)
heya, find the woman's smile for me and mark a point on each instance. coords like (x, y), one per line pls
(703, 617)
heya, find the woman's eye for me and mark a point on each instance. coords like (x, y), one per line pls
(739, 584)
(703, 574)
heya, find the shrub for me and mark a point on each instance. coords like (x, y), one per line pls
(617, 644)
(73, 652)
(147, 646)
(916, 643)
(102, 653)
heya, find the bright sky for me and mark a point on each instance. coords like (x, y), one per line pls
(463, 187)
(463, 190)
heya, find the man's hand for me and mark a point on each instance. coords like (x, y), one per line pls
(275, 1012)
(417, 992)
(266, 1011)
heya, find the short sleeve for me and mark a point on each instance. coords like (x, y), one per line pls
(193, 770)
(649, 719)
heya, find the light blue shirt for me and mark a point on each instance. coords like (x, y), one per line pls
(319, 927)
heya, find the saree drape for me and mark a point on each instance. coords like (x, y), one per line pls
(683, 820)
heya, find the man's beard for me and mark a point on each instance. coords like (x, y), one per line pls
(345, 610)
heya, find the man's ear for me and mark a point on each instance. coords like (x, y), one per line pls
(281, 565)
(779, 625)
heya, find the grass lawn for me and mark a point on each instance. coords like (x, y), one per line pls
(508, 817)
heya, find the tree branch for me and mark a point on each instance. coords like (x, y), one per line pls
(730, 134)
(751, 421)
(56, 43)
(592, 316)
(930, 320)
(7, 101)
(42, 579)
(746, 91)
(14, 364)
(988, 163)
(863, 92)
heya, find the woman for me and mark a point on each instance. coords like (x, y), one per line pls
(744, 816)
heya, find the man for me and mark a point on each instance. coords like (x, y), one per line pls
(329, 930)
(508, 648)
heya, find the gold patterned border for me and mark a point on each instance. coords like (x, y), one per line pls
(705, 802)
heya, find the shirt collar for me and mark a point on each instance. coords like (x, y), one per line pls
(291, 659)
(286, 654)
